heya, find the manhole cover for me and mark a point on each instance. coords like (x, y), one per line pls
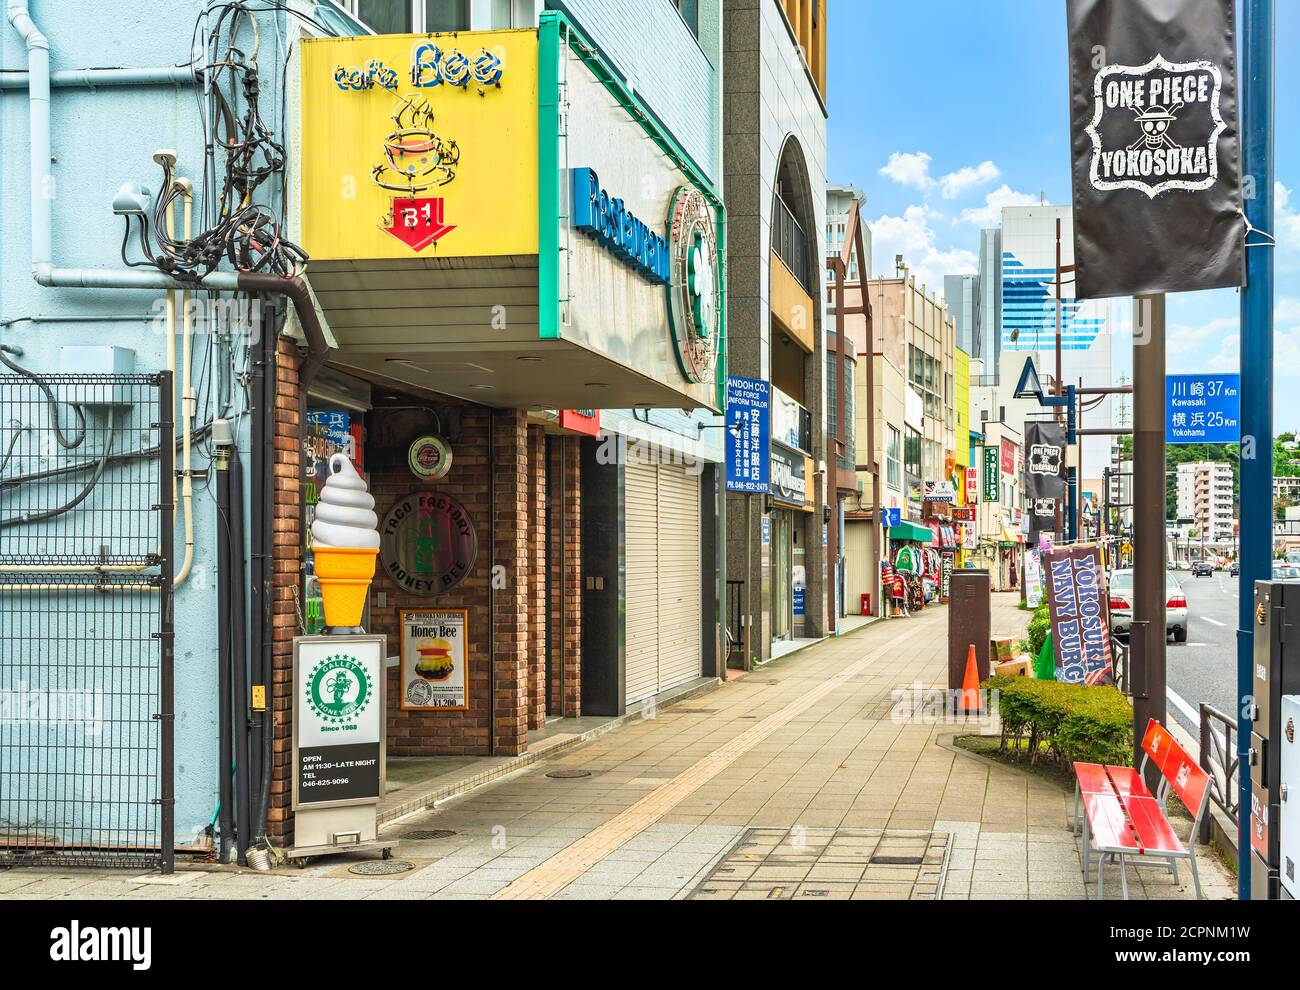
(569, 774)
(425, 834)
(381, 867)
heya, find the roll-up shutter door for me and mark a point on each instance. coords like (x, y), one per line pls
(857, 566)
(641, 606)
(679, 576)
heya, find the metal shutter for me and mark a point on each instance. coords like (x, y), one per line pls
(679, 576)
(641, 605)
(857, 571)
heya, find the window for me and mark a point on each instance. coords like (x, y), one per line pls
(690, 11)
(912, 453)
(894, 459)
(419, 16)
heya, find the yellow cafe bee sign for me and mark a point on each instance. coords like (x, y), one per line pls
(419, 145)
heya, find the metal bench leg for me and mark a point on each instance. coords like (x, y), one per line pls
(1173, 868)
(1196, 877)
(1074, 826)
(1101, 878)
(1123, 875)
(1086, 853)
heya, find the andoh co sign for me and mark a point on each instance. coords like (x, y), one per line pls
(420, 145)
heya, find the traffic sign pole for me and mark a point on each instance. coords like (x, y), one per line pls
(1258, 53)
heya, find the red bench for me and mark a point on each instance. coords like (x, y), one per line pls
(1123, 820)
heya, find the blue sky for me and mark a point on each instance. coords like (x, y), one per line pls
(943, 111)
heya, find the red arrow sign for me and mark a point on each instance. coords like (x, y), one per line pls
(417, 223)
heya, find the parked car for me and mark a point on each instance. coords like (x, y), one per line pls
(1202, 568)
(1121, 606)
(1234, 569)
(1285, 572)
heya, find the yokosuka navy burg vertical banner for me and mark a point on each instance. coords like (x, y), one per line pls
(1155, 153)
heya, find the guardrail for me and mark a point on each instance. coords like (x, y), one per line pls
(1219, 759)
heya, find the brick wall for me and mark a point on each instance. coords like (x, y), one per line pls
(564, 533)
(286, 575)
(538, 476)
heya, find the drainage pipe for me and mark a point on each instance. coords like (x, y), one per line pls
(171, 75)
(225, 751)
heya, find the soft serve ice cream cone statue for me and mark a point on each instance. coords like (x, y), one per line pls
(345, 542)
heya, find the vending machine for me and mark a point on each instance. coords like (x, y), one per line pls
(1277, 674)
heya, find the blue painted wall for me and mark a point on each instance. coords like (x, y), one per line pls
(101, 139)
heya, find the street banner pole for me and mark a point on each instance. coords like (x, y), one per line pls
(1258, 53)
(1148, 635)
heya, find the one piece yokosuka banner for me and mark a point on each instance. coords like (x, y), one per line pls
(1045, 461)
(1075, 583)
(1155, 156)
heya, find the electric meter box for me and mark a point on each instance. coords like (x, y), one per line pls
(96, 359)
(1289, 824)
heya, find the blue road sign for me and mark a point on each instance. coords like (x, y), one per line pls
(749, 434)
(891, 517)
(1202, 409)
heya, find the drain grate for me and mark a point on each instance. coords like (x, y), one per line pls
(694, 711)
(897, 860)
(381, 868)
(425, 834)
(569, 774)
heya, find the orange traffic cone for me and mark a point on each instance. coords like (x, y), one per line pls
(971, 701)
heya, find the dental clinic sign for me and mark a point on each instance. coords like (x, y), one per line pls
(1155, 149)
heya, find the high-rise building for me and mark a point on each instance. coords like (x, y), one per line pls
(1029, 317)
(986, 345)
(961, 294)
(1205, 498)
(839, 203)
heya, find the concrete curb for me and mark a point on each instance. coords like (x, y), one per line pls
(548, 748)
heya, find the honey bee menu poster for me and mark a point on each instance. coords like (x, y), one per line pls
(434, 651)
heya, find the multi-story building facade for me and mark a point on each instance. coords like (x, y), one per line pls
(840, 200)
(774, 113)
(481, 316)
(986, 340)
(1205, 498)
(961, 294)
(1029, 243)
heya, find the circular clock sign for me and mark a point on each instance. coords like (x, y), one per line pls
(428, 544)
(430, 458)
(694, 311)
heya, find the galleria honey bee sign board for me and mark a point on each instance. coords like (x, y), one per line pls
(338, 723)
(435, 675)
(420, 145)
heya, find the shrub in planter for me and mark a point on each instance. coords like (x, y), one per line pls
(1073, 722)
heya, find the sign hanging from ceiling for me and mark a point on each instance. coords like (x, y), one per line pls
(1155, 150)
(419, 145)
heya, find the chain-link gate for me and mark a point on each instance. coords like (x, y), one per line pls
(86, 635)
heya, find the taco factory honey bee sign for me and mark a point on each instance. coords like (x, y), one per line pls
(434, 665)
(420, 145)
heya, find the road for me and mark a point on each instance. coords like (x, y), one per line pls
(1205, 668)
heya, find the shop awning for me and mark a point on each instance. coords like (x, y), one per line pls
(910, 531)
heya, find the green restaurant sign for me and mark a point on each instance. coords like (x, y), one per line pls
(992, 483)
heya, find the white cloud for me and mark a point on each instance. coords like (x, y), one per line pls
(990, 214)
(954, 184)
(909, 169)
(1286, 218)
(912, 236)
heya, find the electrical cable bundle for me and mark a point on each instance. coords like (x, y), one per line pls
(245, 233)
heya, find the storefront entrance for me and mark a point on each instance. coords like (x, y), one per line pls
(783, 595)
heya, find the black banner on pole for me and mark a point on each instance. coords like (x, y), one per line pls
(1155, 152)
(1045, 461)
(1042, 518)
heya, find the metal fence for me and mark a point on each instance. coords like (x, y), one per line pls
(1219, 759)
(86, 637)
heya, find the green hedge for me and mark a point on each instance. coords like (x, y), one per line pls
(1039, 625)
(1068, 721)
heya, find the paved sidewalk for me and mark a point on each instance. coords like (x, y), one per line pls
(793, 782)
